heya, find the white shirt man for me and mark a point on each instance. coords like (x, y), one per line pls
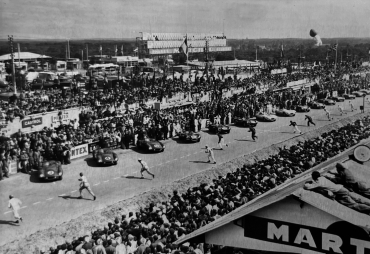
(15, 205)
(144, 168)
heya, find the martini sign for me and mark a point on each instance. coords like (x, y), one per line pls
(339, 237)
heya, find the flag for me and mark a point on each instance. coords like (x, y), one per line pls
(115, 49)
(100, 49)
(122, 49)
(184, 46)
(334, 47)
(282, 51)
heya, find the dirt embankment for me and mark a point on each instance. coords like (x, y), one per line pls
(98, 219)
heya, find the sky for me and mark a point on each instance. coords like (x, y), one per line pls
(239, 19)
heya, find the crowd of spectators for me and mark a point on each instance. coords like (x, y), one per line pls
(154, 228)
(142, 88)
(97, 123)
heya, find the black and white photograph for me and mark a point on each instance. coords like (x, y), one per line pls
(184, 127)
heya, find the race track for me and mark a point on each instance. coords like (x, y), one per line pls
(46, 204)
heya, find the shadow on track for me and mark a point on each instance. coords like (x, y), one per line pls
(9, 222)
(137, 177)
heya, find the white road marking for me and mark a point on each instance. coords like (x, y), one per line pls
(125, 175)
(62, 195)
(116, 178)
(36, 203)
(106, 181)
(182, 157)
(167, 161)
(49, 199)
(174, 159)
(73, 191)
(23, 207)
(159, 164)
(7, 212)
(96, 184)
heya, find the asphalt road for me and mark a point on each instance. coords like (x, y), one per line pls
(47, 204)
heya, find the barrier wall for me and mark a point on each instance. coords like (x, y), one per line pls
(53, 119)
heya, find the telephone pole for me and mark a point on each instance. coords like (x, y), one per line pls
(10, 39)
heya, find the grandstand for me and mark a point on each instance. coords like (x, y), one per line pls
(159, 45)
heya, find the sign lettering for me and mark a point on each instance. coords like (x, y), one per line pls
(79, 151)
(63, 117)
(339, 237)
(31, 122)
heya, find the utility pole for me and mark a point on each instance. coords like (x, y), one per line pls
(87, 52)
(10, 39)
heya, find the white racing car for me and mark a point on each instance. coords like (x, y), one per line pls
(265, 117)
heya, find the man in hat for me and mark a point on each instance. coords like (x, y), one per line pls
(209, 150)
(85, 185)
(15, 205)
(144, 168)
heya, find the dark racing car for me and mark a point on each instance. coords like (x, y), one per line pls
(218, 128)
(326, 101)
(50, 170)
(316, 105)
(105, 156)
(150, 145)
(189, 136)
(302, 108)
(245, 122)
(336, 98)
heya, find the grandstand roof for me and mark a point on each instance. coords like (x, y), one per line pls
(23, 56)
(294, 188)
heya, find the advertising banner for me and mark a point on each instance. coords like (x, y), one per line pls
(63, 117)
(79, 151)
(31, 122)
(93, 146)
(180, 36)
(191, 50)
(339, 237)
(193, 44)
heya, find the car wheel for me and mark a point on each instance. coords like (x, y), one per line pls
(198, 140)
(115, 163)
(60, 178)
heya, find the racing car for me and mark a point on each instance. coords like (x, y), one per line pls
(150, 145)
(337, 98)
(367, 92)
(50, 170)
(316, 105)
(358, 94)
(265, 117)
(189, 136)
(326, 101)
(245, 122)
(105, 156)
(349, 96)
(284, 112)
(302, 108)
(218, 128)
